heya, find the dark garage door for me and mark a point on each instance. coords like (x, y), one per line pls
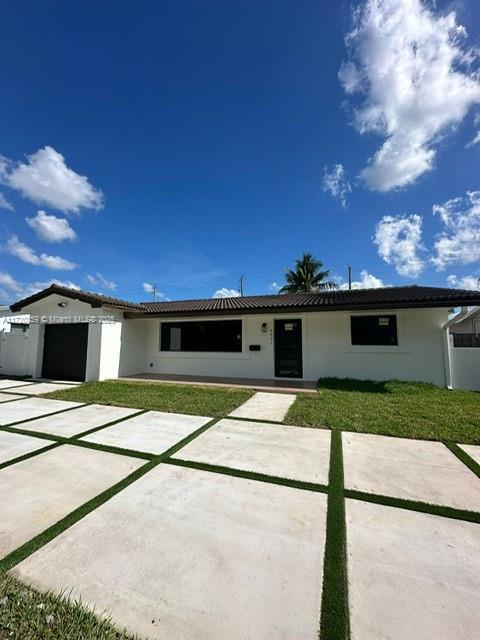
(65, 351)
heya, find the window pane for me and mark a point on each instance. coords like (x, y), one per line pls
(374, 330)
(208, 335)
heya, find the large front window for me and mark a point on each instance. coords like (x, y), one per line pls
(374, 330)
(202, 335)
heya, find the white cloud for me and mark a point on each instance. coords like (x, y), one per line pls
(416, 79)
(5, 204)
(399, 239)
(20, 250)
(98, 280)
(150, 288)
(475, 140)
(11, 289)
(367, 281)
(336, 184)
(147, 287)
(46, 179)
(50, 228)
(465, 282)
(459, 243)
(8, 282)
(226, 293)
(274, 286)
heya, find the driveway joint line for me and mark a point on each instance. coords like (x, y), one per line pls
(334, 613)
(464, 457)
(30, 454)
(248, 475)
(46, 415)
(415, 505)
(38, 541)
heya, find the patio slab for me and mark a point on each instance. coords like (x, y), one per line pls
(265, 406)
(13, 445)
(79, 420)
(6, 384)
(8, 397)
(411, 575)
(472, 450)
(410, 469)
(191, 554)
(150, 432)
(45, 488)
(45, 387)
(32, 408)
(278, 450)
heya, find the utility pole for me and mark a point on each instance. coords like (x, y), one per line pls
(154, 292)
(349, 278)
(241, 284)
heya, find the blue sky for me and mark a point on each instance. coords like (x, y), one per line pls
(187, 143)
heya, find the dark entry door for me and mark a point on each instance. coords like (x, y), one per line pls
(288, 349)
(65, 351)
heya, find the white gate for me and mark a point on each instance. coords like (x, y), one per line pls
(13, 353)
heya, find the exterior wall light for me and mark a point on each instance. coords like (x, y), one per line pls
(62, 305)
(264, 327)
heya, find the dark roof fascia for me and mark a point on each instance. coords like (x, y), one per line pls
(94, 300)
(296, 309)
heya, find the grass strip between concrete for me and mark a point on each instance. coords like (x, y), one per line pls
(45, 415)
(414, 505)
(464, 457)
(248, 475)
(28, 455)
(334, 617)
(25, 550)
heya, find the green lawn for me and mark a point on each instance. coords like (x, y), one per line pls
(196, 400)
(404, 409)
(28, 615)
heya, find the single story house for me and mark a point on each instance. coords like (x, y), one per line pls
(394, 332)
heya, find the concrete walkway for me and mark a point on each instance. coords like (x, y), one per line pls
(265, 406)
(227, 537)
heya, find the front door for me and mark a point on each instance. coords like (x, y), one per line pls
(65, 351)
(288, 349)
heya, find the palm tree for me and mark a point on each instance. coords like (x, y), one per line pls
(307, 277)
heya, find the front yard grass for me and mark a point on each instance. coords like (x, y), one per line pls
(176, 398)
(393, 408)
(30, 615)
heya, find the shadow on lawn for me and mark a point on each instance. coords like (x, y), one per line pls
(349, 384)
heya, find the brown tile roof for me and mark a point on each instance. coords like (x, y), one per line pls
(388, 297)
(95, 299)
(385, 298)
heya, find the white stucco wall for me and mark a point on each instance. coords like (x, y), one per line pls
(465, 366)
(327, 349)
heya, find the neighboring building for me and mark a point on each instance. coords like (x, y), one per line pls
(466, 330)
(13, 322)
(378, 334)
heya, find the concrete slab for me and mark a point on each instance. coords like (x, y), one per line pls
(78, 420)
(32, 408)
(39, 491)
(151, 432)
(6, 384)
(191, 554)
(411, 575)
(13, 445)
(45, 387)
(411, 469)
(288, 452)
(265, 406)
(472, 450)
(8, 397)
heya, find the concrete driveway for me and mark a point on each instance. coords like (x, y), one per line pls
(217, 528)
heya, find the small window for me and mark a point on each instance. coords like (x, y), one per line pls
(374, 330)
(208, 335)
(17, 327)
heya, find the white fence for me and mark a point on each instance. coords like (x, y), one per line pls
(13, 353)
(465, 363)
